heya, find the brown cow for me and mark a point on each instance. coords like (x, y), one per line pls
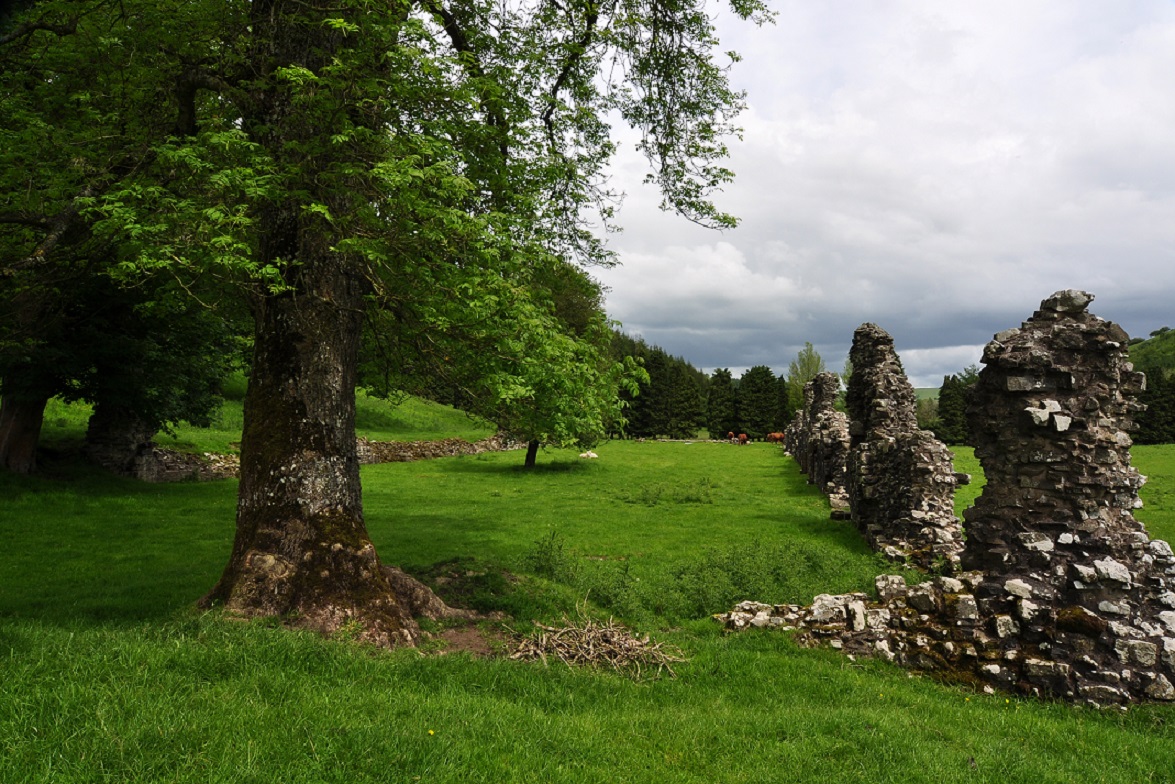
(742, 439)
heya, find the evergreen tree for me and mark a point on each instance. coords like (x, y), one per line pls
(686, 402)
(758, 399)
(721, 417)
(951, 427)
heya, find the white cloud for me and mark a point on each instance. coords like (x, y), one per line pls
(935, 167)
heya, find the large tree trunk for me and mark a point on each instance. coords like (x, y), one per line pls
(302, 549)
(20, 429)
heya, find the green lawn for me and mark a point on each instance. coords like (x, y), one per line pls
(109, 675)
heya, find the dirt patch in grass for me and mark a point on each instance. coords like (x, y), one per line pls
(476, 640)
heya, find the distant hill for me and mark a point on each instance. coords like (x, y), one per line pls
(1156, 351)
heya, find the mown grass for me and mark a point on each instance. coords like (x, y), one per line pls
(109, 675)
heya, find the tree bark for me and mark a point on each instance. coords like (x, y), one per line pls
(532, 452)
(301, 550)
(20, 429)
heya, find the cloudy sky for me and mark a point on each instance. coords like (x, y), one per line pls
(937, 167)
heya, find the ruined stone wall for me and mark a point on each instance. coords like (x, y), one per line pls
(797, 434)
(1054, 534)
(819, 441)
(901, 481)
(1066, 594)
(165, 465)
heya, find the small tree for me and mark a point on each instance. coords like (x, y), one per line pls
(800, 371)
(926, 412)
(1156, 425)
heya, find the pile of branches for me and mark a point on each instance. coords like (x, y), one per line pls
(594, 643)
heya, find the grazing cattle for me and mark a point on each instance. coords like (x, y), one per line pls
(775, 438)
(730, 437)
(742, 439)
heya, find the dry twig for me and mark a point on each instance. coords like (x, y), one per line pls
(594, 643)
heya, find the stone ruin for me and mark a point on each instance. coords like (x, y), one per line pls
(1065, 595)
(818, 439)
(893, 479)
(901, 479)
(153, 463)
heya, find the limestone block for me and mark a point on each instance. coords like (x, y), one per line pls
(1137, 652)
(966, 608)
(950, 585)
(1036, 541)
(1006, 626)
(891, 586)
(856, 615)
(1109, 569)
(923, 598)
(1169, 652)
(828, 609)
(1018, 588)
(1161, 689)
(1043, 668)
(877, 619)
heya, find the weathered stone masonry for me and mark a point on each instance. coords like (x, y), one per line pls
(1066, 594)
(901, 480)
(818, 439)
(894, 480)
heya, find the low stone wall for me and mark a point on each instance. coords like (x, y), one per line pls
(165, 465)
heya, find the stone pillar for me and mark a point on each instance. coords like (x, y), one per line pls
(828, 442)
(1071, 579)
(818, 439)
(901, 481)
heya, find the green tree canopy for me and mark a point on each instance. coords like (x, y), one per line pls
(1156, 425)
(423, 158)
(800, 371)
(951, 425)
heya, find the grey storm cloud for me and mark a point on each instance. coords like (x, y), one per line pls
(937, 168)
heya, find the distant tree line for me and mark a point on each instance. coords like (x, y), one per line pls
(679, 401)
(759, 402)
(672, 402)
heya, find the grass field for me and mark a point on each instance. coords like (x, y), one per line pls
(110, 675)
(408, 419)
